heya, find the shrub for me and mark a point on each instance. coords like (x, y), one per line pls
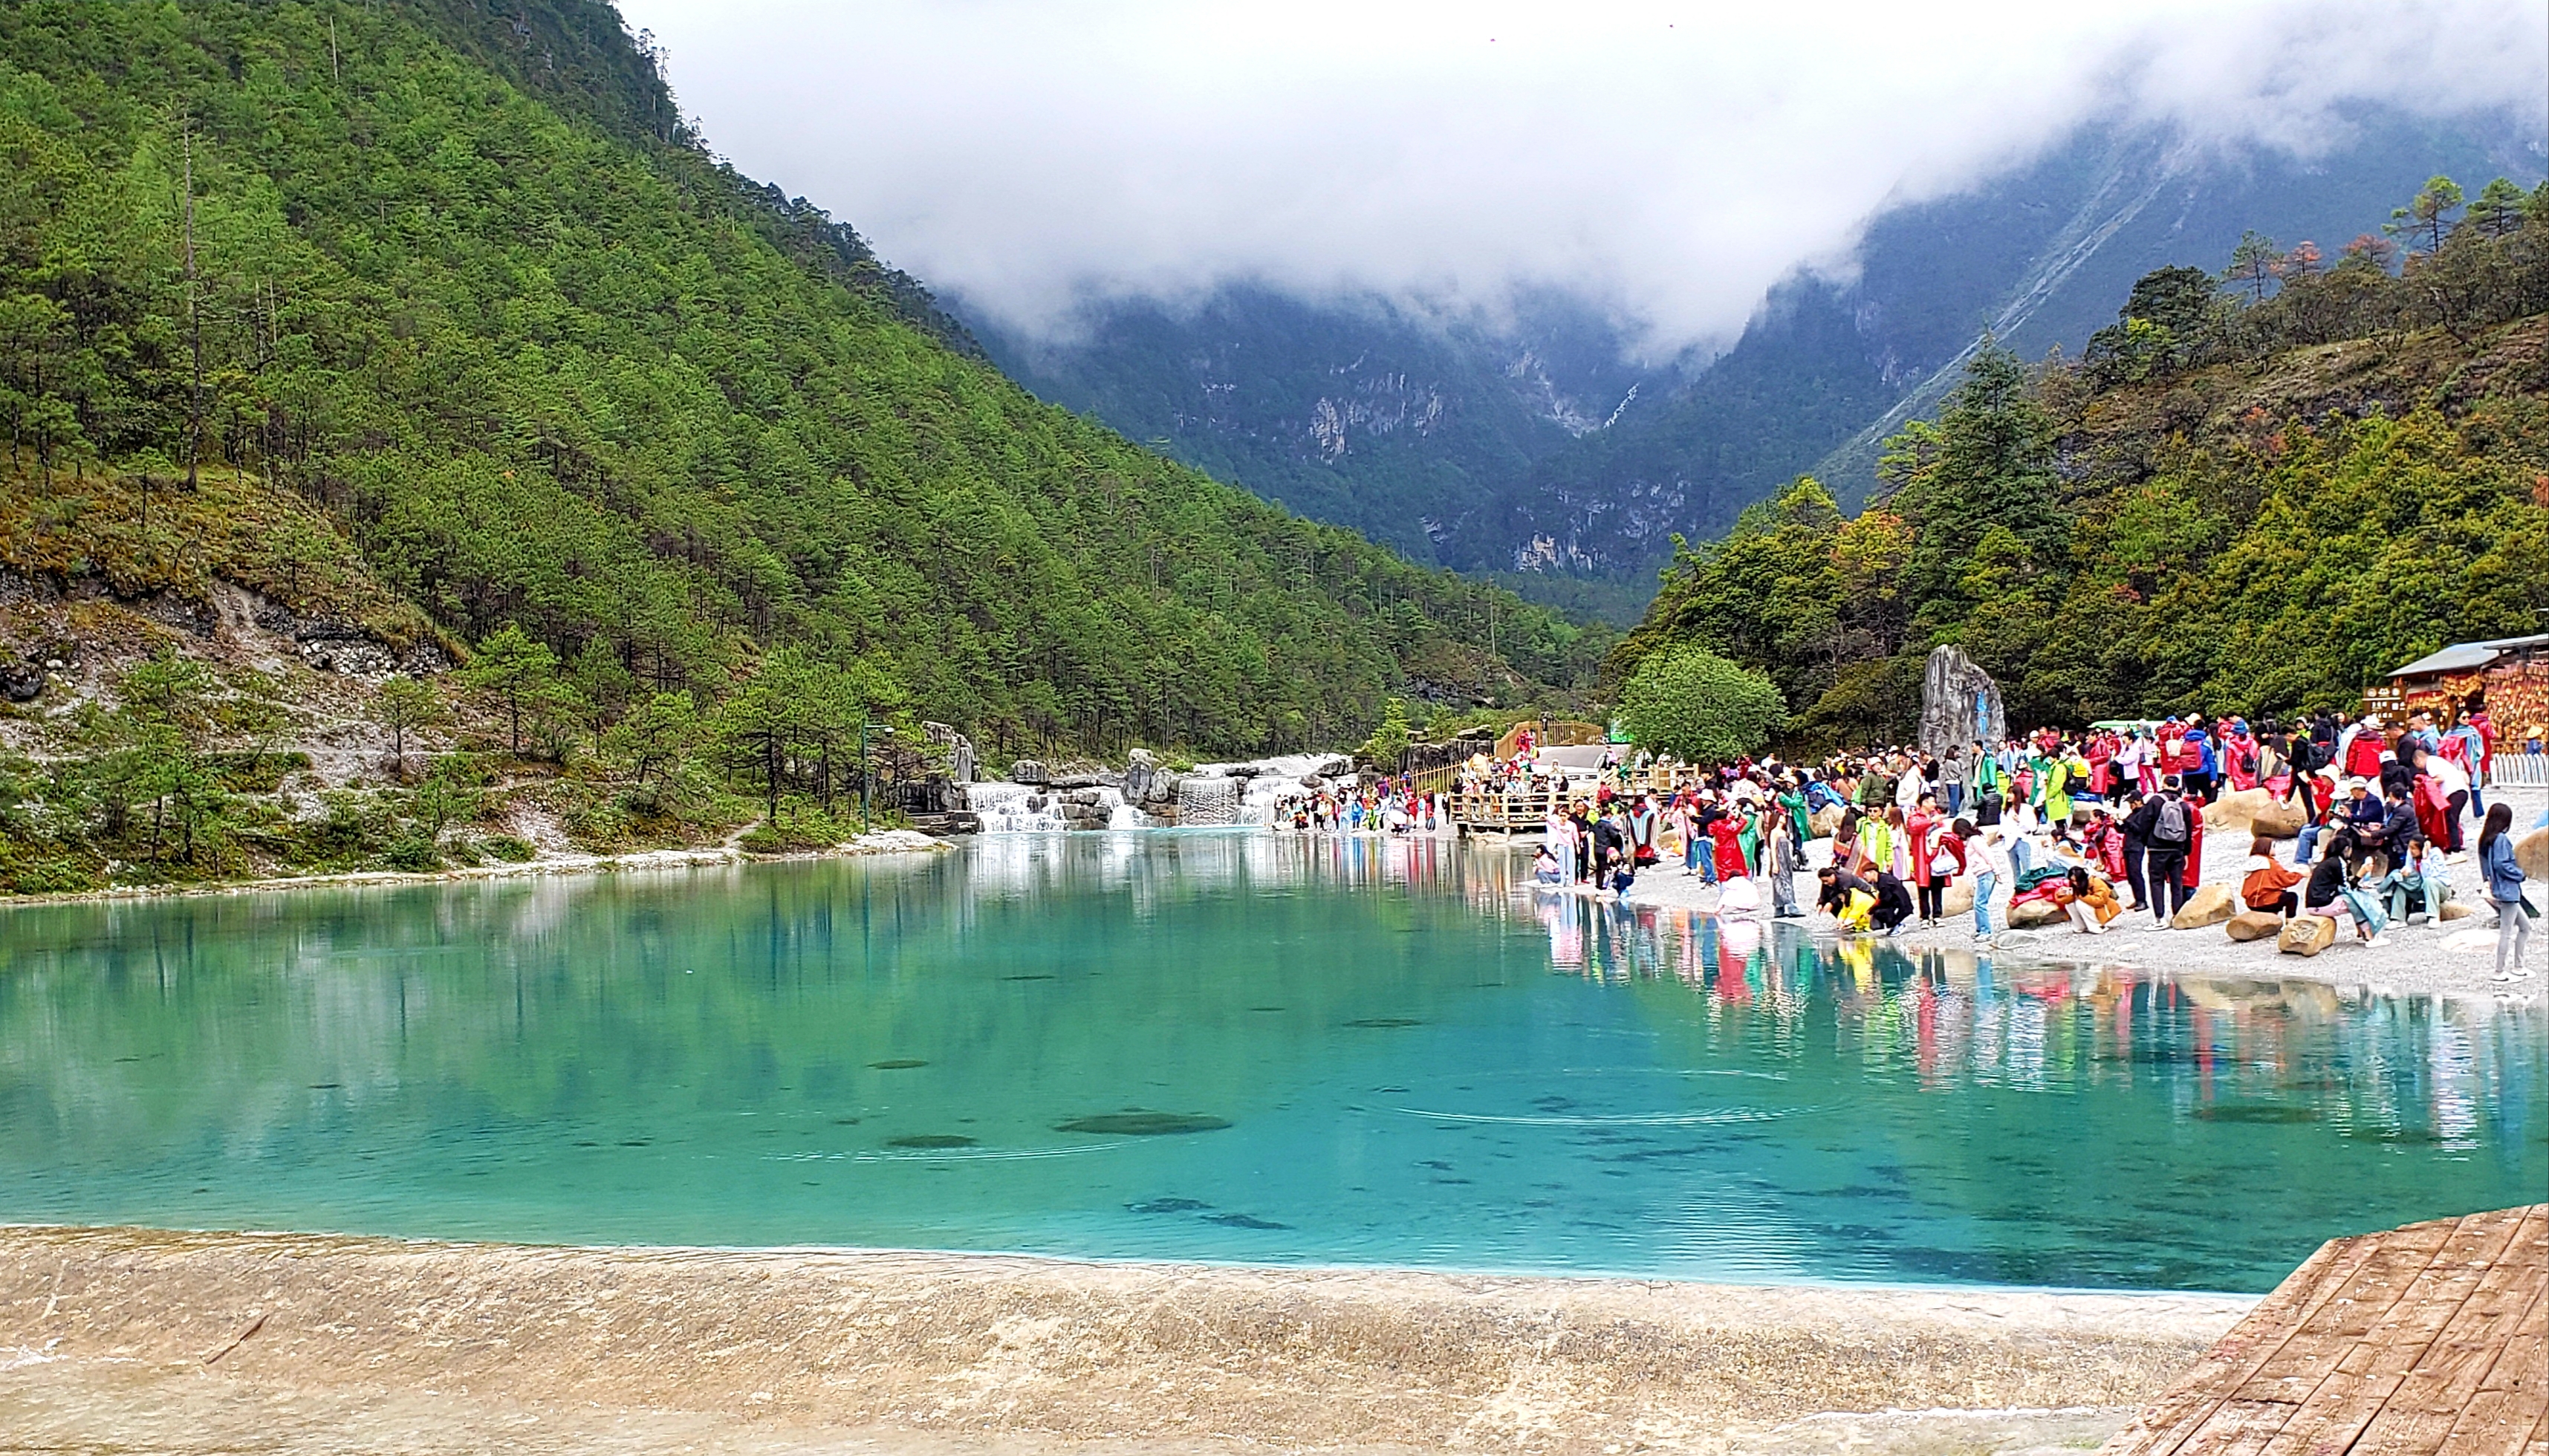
(1693, 703)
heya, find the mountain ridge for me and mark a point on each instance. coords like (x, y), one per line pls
(1825, 369)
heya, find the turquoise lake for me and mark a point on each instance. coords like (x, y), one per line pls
(1222, 1047)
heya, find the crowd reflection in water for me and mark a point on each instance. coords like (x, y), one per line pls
(2388, 1067)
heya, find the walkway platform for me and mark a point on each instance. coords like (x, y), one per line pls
(2432, 1338)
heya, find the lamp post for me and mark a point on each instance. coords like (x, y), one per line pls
(867, 778)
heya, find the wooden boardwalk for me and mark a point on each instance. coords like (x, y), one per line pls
(2432, 1338)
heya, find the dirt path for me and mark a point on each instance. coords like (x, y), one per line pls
(359, 1345)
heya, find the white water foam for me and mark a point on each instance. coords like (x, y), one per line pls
(1003, 808)
(1275, 779)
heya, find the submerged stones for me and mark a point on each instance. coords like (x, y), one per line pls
(931, 1140)
(897, 1063)
(1143, 1123)
(2257, 1111)
(1384, 1023)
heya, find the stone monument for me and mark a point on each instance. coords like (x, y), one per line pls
(1960, 704)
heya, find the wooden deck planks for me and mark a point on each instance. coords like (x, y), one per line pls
(2250, 1345)
(2427, 1339)
(2510, 1411)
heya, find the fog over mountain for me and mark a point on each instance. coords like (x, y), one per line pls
(1668, 161)
(1511, 289)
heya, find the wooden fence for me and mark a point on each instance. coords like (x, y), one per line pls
(2520, 770)
(1526, 810)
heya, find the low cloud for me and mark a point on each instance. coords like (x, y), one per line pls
(1666, 162)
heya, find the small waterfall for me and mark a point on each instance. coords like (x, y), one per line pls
(1014, 808)
(1026, 808)
(1207, 800)
(1274, 778)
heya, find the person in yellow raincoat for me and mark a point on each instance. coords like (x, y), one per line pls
(1849, 898)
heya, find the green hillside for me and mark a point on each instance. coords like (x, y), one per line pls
(2253, 493)
(450, 291)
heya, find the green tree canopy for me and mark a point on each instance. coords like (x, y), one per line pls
(1690, 703)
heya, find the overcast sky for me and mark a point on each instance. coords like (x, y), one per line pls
(1668, 161)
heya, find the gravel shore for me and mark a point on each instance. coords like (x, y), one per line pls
(2455, 959)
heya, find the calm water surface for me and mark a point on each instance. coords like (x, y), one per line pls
(1220, 1047)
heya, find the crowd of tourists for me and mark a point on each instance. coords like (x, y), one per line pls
(2076, 829)
(1383, 806)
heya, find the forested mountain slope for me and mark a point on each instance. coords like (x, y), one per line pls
(520, 354)
(2247, 499)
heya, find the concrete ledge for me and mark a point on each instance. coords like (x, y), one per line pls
(107, 1334)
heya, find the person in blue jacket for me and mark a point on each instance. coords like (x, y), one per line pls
(2503, 878)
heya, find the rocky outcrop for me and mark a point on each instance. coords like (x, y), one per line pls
(1960, 704)
(959, 749)
(1083, 808)
(1029, 770)
(1151, 787)
(22, 681)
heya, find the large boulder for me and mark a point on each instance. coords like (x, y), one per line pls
(1959, 898)
(2306, 935)
(2280, 820)
(21, 681)
(1826, 821)
(2531, 852)
(2032, 914)
(2236, 809)
(1029, 770)
(2254, 924)
(2209, 905)
(1960, 704)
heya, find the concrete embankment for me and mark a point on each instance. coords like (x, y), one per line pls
(130, 1340)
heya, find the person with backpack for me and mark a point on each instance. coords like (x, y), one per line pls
(2170, 832)
(2465, 746)
(2202, 765)
(2504, 877)
(1989, 786)
(2305, 755)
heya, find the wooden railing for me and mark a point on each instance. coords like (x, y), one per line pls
(1556, 733)
(1525, 810)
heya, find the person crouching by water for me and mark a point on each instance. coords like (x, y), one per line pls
(1850, 900)
(2089, 902)
(1545, 869)
(1888, 902)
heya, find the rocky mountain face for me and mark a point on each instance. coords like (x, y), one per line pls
(1362, 414)
(1526, 448)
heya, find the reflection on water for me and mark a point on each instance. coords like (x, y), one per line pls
(1225, 1046)
(1949, 1016)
